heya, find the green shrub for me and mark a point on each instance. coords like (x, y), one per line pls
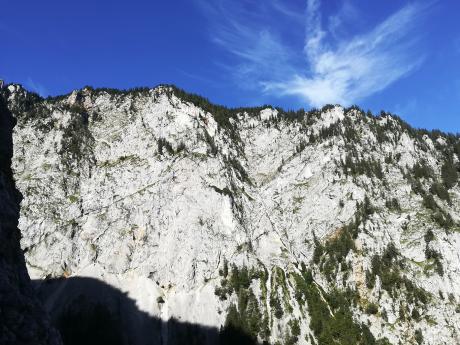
(239, 278)
(224, 271)
(295, 327)
(418, 336)
(388, 268)
(422, 170)
(334, 252)
(449, 173)
(415, 314)
(244, 320)
(429, 202)
(164, 144)
(443, 219)
(293, 336)
(393, 204)
(221, 293)
(432, 254)
(440, 190)
(370, 280)
(429, 236)
(360, 166)
(372, 309)
(275, 304)
(417, 187)
(318, 252)
(329, 329)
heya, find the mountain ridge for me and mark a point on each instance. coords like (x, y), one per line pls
(300, 227)
(208, 105)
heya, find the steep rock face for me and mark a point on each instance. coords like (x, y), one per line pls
(308, 227)
(22, 318)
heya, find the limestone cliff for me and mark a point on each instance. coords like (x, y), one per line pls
(318, 227)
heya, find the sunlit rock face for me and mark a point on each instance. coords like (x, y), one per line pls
(294, 227)
(22, 318)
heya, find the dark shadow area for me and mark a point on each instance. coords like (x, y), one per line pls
(91, 312)
(10, 197)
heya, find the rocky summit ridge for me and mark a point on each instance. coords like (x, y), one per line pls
(328, 226)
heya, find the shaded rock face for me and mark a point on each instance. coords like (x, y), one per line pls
(88, 311)
(22, 318)
(319, 227)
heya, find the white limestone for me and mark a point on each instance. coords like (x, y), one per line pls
(156, 224)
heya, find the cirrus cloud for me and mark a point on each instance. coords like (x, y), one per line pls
(286, 51)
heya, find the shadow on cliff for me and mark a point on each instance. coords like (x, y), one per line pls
(89, 311)
(10, 195)
(22, 317)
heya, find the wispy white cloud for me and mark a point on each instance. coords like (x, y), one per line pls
(328, 67)
(281, 7)
(37, 87)
(339, 23)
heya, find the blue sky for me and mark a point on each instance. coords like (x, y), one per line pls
(400, 56)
